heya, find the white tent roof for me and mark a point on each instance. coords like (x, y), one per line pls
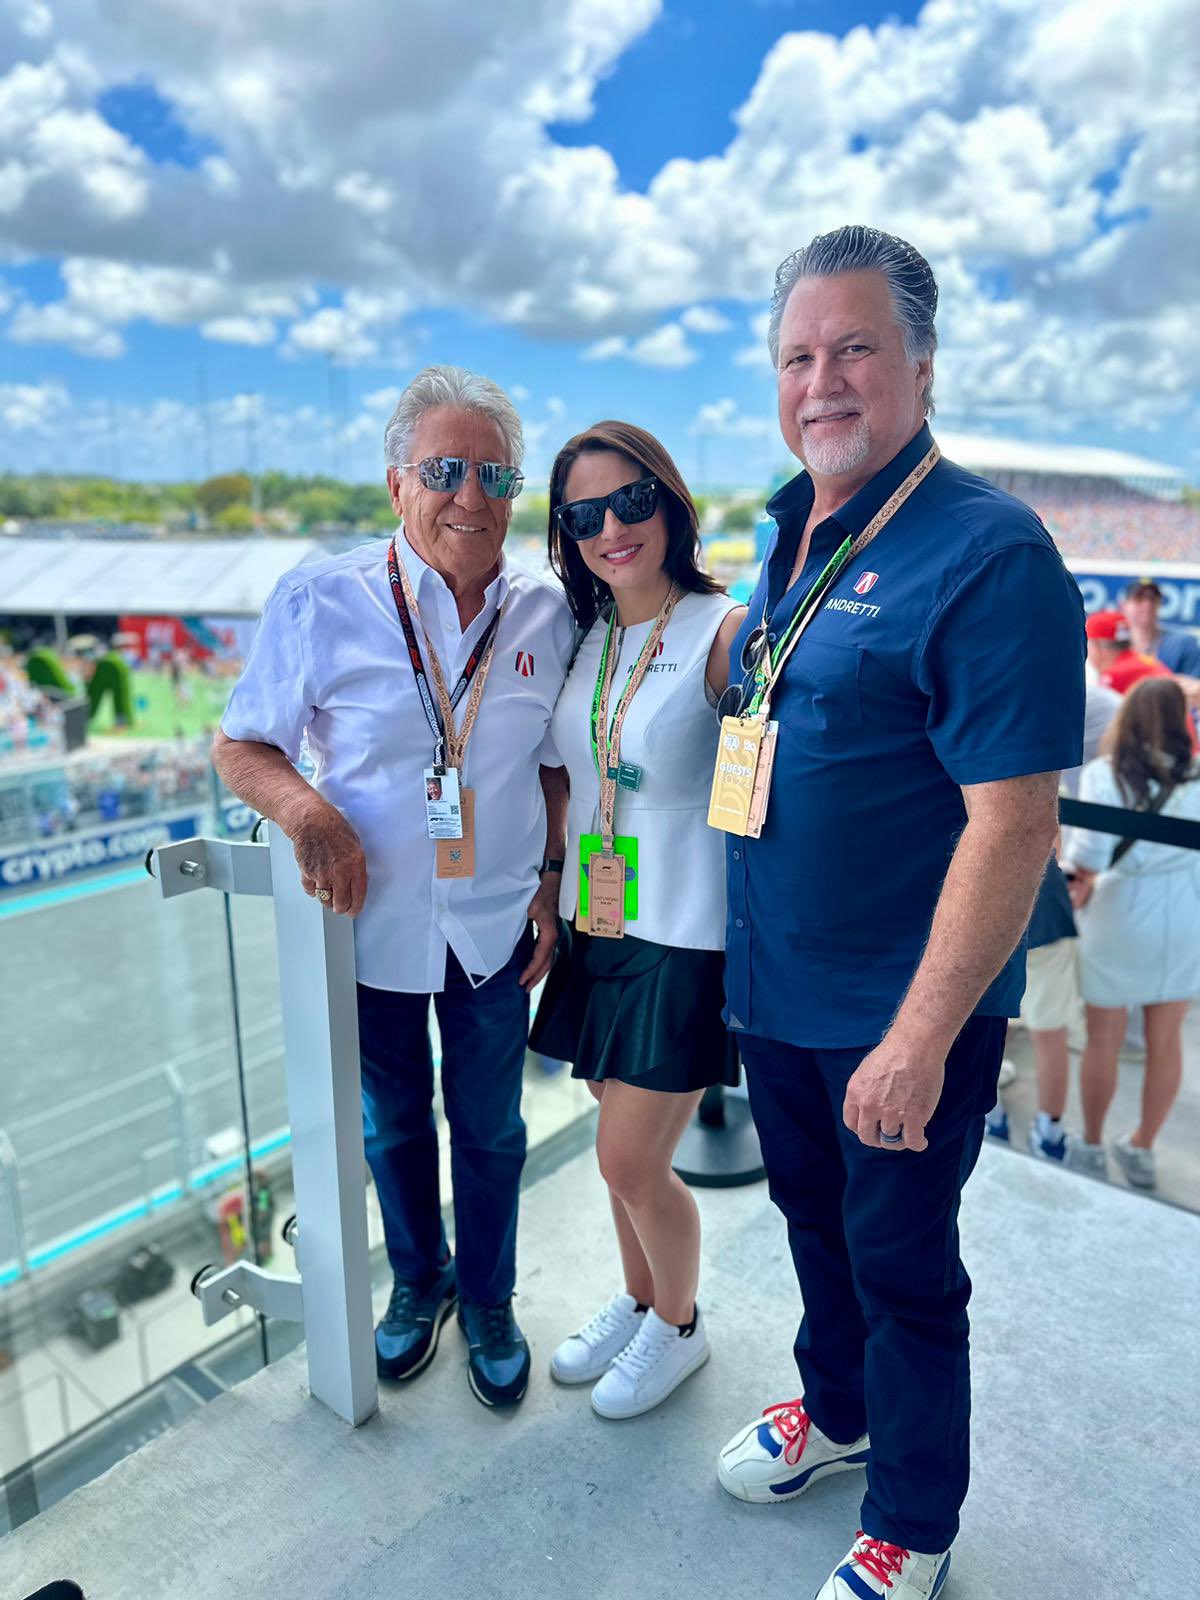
(144, 577)
(981, 452)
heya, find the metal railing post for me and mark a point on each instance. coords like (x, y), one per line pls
(315, 952)
(320, 1039)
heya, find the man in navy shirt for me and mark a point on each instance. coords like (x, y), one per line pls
(875, 928)
(1177, 649)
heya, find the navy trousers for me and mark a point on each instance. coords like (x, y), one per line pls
(883, 1343)
(483, 1032)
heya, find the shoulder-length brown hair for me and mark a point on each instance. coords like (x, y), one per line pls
(1150, 739)
(587, 595)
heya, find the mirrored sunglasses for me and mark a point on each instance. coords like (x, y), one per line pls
(631, 503)
(447, 474)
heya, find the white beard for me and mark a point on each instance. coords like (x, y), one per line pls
(831, 458)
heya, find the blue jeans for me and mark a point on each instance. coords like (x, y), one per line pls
(874, 1238)
(483, 1033)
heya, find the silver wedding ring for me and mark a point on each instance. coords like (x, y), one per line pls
(325, 894)
(891, 1138)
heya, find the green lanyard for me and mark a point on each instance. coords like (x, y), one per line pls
(625, 773)
(762, 674)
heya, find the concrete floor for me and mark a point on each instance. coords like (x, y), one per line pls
(1087, 1410)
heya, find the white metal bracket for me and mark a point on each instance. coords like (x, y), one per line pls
(222, 1290)
(228, 864)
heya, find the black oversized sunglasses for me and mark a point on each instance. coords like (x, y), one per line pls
(632, 502)
(447, 474)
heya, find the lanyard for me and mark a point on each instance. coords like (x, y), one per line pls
(606, 739)
(446, 742)
(771, 662)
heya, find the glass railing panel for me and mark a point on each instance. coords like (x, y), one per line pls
(120, 1152)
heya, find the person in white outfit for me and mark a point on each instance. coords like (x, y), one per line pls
(1138, 912)
(634, 1000)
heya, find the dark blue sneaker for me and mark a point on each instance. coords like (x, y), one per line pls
(406, 1339)
(498, 1366)
(995, 1124)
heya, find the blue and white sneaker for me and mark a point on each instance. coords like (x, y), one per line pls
(783, 1453)
(1047, 1149)
(995, 1124)
(873, 1567)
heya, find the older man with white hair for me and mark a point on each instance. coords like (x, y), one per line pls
(424, 669)
(913, 663)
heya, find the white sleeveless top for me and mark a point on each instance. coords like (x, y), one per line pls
(670, 732)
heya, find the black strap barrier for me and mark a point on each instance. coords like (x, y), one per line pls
(1130, 824)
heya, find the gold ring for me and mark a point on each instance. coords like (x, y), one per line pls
(325, 894)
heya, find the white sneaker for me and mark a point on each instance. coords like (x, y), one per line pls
(654, 1363)
(1137, 1164)
(586, 1354)
(874, 1567)
(779, 1455)
(1089, 1159)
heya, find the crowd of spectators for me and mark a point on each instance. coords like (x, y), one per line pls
(103, 787)
(1115, 935)
(1117, 523)
(30, 722)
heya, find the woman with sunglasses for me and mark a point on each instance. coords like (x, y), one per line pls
(635, 998)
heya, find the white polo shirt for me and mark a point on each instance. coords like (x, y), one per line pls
(329, 656)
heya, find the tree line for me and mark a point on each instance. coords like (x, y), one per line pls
(275, 502)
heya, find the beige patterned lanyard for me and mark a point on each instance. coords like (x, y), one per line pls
(455, 743)
(608, 740)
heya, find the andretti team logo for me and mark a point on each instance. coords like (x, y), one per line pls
(524, 664)
(866, 583)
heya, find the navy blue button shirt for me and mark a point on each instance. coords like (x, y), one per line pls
(949, 652)
(1178, 651)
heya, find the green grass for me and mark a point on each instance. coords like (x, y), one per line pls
(159, 713)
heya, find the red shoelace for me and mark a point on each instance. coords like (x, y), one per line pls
(791, 1422)
(882, 1560)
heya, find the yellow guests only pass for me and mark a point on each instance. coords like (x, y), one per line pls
(742, 776)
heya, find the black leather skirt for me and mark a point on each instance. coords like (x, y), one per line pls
(644, 1013)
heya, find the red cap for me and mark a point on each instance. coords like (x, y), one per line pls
(1109, 625)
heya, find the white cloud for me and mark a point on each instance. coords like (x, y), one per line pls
(104, 296)
(382, 399)
(1042, 155)
(32, 408)
(704, 319)
(556, 406)
(665, 347)
(63, 165)
(61, 323)
(240, 330)
(722, 419)
(756, 354)
(349, 333)
(367, 194)
(607, 349)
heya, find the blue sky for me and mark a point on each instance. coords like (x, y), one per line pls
(219, 243)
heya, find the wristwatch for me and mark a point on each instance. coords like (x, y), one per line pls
(551, 865)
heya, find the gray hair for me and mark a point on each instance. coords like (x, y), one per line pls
(909, 277)
(451, 386)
